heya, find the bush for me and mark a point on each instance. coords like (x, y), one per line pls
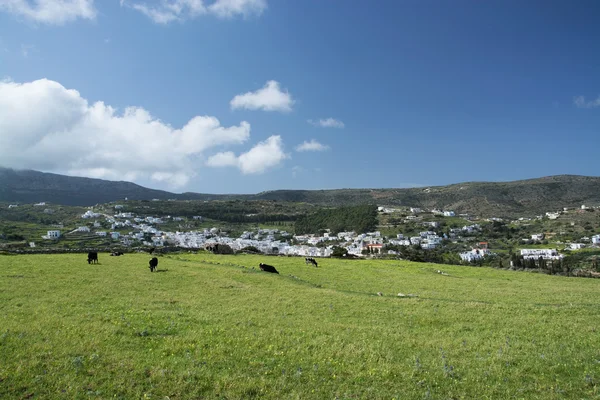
(339, 252)
(250, 249)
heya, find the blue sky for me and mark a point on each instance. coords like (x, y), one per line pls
(415, 92)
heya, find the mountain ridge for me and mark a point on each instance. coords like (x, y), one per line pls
(522, 197)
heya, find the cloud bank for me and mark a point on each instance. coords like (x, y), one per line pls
(50, 12)
(168, 11)
(47, 127)
(264, 155)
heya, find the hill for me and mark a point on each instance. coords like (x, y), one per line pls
(518, 198)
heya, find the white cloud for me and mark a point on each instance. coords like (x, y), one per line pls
(231, 8)
(268, 98)
(51, 12)
(327, 123)
(47, 127)
(180, 10)
(313, 145)
(581, 103)
(257, 160)
(223, 159)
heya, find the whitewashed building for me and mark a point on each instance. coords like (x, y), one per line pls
(547, 254)
(90, 214)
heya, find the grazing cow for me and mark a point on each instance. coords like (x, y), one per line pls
(116, 253)
(152, 250)
(153, 264)
(93, 257)
(268, 268)
(310, 260)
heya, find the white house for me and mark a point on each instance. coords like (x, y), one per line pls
(90, 214)
(40, 204)
(53, 234)
(115, 235)
(415, 210)
(400, 242)
(415, 240)
(538, 236)
(576, 246)
(83, 229)
(12, 206)
(474, 254)
(596, 239)
(547, 254)
(101, 233)
(449, 214)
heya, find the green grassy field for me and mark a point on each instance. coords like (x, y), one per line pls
(209, 326)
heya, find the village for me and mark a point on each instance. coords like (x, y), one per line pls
(128, 229)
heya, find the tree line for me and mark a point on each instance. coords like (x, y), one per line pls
(359, 219)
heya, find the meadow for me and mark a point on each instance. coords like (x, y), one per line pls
(207, 326)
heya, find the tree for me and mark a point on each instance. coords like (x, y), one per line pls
(338, 251)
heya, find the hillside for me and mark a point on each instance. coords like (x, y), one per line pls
(526, 197)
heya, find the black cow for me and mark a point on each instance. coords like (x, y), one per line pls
(116, 253)
(310, 260)
(268, 268)
(93, 257)
(153, 264)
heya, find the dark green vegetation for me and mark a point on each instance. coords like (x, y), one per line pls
(209, 326)
(340, 219)
(228, 211)
(499, 199)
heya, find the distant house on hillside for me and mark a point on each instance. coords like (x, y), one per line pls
(374, 247)
(90, 214)
(547, 254)
(55, 234)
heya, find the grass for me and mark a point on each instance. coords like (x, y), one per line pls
(210, 326)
